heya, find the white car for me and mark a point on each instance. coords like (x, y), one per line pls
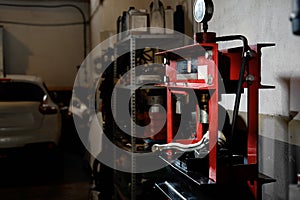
(28, 115)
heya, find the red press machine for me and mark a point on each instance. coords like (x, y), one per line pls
(218, 159)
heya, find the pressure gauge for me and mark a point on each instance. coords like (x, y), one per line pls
(203, 10)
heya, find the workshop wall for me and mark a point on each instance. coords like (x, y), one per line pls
(268, 22)
(52, 52)
(264, 22)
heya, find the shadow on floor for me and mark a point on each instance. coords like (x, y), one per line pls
(35, 178)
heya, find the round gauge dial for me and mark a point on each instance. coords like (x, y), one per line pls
(199, 10)
(203, 10)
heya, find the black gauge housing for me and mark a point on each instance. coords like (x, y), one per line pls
(203, 10)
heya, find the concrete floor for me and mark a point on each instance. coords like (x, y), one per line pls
(30, 175)
(22, 180)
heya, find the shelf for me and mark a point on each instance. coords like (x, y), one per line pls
(141, 87)
(193, 50)
(151, 36)
(173, 191)
(194, 177)
(185, 85)
(163, 41)
(139, 148)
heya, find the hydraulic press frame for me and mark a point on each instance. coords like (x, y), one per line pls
(229, 63)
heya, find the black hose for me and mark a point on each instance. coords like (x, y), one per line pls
(40, 24)
(58, 6)
(238, 96)
(245, 58)
(235, 37)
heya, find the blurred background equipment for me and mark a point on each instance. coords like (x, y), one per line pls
(295, 17)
